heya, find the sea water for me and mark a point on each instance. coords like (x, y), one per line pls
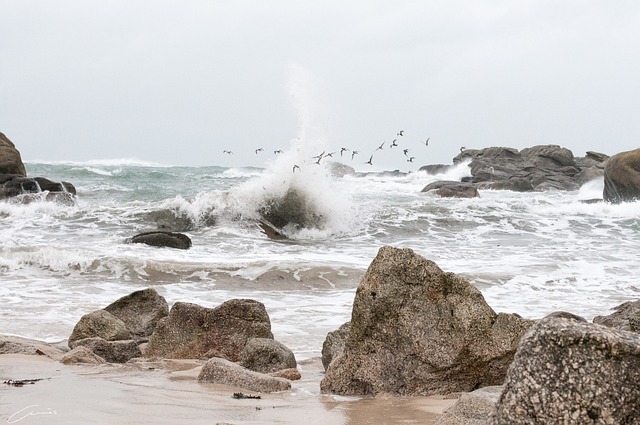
(529, 253)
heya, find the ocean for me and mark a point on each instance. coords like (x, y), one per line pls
(529, 253)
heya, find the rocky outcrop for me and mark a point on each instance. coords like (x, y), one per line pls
(333, 344)
(539, 168)
(10, 160)
(140, 311)
(161, 238)
(224, 372)
(474, 408)
(99, 323)
(294, 209)
(568, 371)
(622, 177)
(416, 330)
(267, 355)
(111, 351)
(433, 169)
(626, 317)
(452, 189)
(191, 331)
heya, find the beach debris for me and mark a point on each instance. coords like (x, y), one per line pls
(246, 396)
(22, 382)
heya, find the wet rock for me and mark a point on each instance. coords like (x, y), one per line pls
(102, 324)
(452, 189)
(81, 355)
(111, 351)
(290, 374)
(416, 330)
(433, 169)
(474, 408)
(338, 169)
(266, 355)
(140, 311)
(622, 177)
(10, 160)
(224, 372)
(161, 238)
(191, 331)
(626, 317)
(293, 209)
(17, 345)
(568, 371)
(333, 344)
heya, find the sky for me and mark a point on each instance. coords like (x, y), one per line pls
(179, 82)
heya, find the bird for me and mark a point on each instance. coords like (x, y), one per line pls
(330, 154)
(294, 168)
(427, 141)
(353, 153)
(259, 150)
(462, 148)
(320, 156)
(405, 151)
(411, 159)
(393, 143)
(369, 161)
(277, 151)
(227, 152)
(380, 147)
(400, 133)
(342, 150)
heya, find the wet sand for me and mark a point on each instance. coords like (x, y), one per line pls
(167, 392)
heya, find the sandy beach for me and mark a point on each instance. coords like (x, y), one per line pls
(167, 392)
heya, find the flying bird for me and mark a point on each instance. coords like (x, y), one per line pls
(400, 133)
(462, 148)
(369, 161)
(227, 152)
(294, 168)
(330, 154)
(342, 150)
(380, 147)
(411, 159)
(405, 151)
(353, 153)
(277, 151)
(393, 143)
(259, 150)
(427, 141)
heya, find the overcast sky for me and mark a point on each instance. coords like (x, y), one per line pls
(178, 82)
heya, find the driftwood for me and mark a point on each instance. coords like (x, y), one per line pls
(246, 396)
(22, 382)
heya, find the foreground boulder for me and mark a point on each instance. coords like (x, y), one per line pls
(140, 311)
(224, 372)
(161, 238)
(266, 355)
(10, 160)
(416, 330)
(622, 177)
(191, 331)
(111, 351)
(333, 345)
(474, 408)
(569, 371)
(99, 323)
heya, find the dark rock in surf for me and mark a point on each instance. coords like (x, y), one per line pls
(416, 330)
(270, 231)
(294, 209)
(622, 177)
(10, 160)
(267, 355)
(191, 331)
(433, 169)
(161, 238)
(99, 323)
(222, 371)
(452, 189)
(333, 345)
(140, 311)
(567, 371)
(112, 351)
(626, 317)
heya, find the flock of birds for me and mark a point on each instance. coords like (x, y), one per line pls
(316, 159)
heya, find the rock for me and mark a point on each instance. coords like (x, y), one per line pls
(622, 177)
(416, 330)
(337, 169)
(270, 231)
(474, 408)
(140, 311)
(433, 169)
(266, 355)
(290, 374)
(293, 209)
(224, 372)
(626, 317)
(567, 371)
(194, 332)
(333, 344)
(10, 160)
(162, 238)
(99, 323)
(48, 185)
(17, 345)
(81, 355)
(452, 189)
(111, 351)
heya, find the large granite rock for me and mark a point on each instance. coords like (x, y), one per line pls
(191, 331)
(626, 317)
(99, 323)
(333, 344)
(18, 345)
(81, 355)
(294, 209)
(111, 351)
(474, 408)
(572, 372)
(267, 355)
(10, 160)
(161, 238)
(140, 311)
(416, 330)
(452, 189)
(622, 177)
(224, 372)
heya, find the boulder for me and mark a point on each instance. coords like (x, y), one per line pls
(140, 311)
(10, 160)
(99, 323)
(111, 351)
(474, 408)
(161, 238)
(194, 332)
(266, 355)
(626, 317)
(433, 169)
(333, 344)
(338, 169)
(81, 355)
(294, 209)
(290, 374)
(452, 189)
(416, 330)
(622, 177)
(18, 345)
(569, 371)
(224, 372)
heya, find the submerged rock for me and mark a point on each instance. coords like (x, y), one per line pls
(569, 371)
(162, 238)
(452, 189)
(622, 177)
(416, 330)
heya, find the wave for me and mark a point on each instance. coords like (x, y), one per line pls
(114, 162)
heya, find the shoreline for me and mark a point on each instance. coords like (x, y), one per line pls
(159, 392)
